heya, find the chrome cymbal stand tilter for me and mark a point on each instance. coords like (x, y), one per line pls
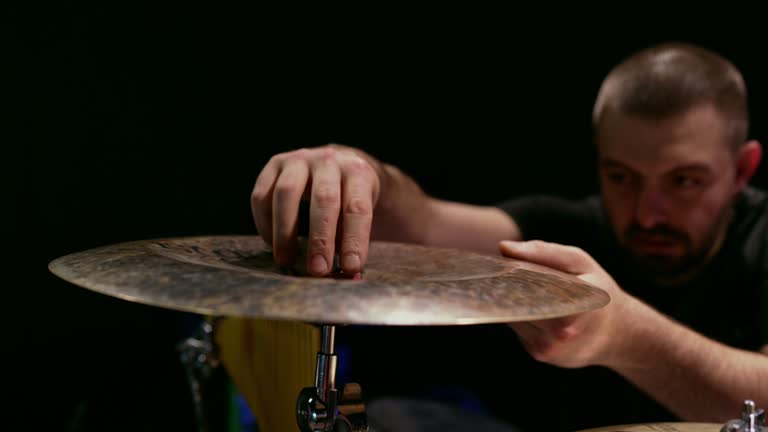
(752, 420)
(323, 408)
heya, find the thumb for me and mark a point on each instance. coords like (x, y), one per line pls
(568, 259)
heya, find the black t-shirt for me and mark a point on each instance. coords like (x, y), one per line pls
(727, 301)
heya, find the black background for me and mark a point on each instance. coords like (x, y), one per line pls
(132, 121)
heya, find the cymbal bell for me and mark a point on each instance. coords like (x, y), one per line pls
(661, 427)
(402, 284)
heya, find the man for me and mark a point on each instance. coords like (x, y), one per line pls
(677, 238)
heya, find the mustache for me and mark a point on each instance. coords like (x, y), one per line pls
(666, 232)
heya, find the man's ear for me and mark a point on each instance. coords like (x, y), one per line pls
(747, 162)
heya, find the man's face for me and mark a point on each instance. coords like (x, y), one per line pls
(667, 185)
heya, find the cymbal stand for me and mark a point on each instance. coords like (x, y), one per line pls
(752, 420)
(323, 408)
(199, 355)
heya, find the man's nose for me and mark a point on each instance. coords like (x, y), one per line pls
(650, 208)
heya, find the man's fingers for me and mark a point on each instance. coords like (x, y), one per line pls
(530, 336)
(325, 203)
(564, 258)
(526, 329)
(560, 329)
(287, 193)
(357, 216)
(341, 188)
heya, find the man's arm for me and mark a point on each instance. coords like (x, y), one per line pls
(695, 377)
(468, 226)
(405, 213)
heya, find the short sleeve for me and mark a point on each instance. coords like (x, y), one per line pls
(541, 217)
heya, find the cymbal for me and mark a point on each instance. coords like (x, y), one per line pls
(402, 284)
(661, 427)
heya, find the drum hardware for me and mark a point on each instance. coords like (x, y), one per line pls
(323, 408)
(752, 420)
(199, 356)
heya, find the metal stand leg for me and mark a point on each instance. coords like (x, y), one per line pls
(199, 357)
(321, 408)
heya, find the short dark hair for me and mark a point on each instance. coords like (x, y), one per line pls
(672, 78)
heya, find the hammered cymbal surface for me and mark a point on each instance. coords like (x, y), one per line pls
(402, 284)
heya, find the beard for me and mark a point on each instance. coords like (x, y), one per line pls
(658, 263)
(688, 256)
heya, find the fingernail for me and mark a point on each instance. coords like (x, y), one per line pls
(509, 243)
(319, 265)
(351, 262)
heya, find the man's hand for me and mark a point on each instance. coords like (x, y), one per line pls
(592, 338)
(662, 357)
(342, 186)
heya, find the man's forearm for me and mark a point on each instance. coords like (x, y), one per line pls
(402, 208)
(467, 226)
(406, 214)
(695, 377)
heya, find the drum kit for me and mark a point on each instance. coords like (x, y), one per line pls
(401, 285)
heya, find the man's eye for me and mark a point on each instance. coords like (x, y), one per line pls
(686, 182)
(617, 177)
